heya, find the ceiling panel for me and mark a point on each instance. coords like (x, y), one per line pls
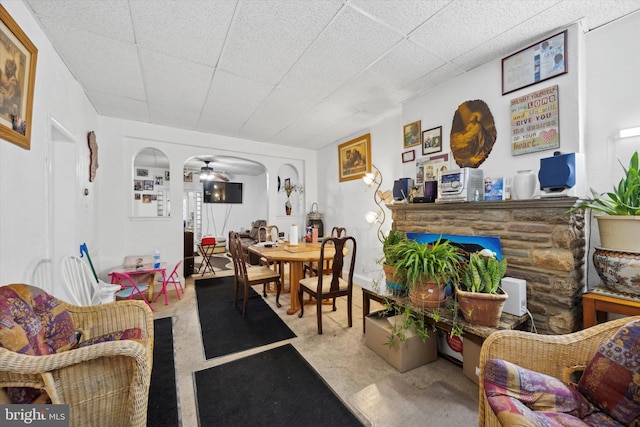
(304, 73)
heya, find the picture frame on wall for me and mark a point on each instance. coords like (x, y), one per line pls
(536, 63)
(408, 156)
(142, 172)
(411, 134)
(432, 141)
(148, 185)
(436, 165)
(354, 158)
(18, 57)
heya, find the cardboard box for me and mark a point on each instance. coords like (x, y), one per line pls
(471, 356)
(408, 355)
(450, 346)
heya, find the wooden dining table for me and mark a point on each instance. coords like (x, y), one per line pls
(296, 256)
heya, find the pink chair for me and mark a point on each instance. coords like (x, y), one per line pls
(173, 278)
(129, 286)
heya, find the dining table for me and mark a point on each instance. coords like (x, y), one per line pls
(296, 255)
(138, 270)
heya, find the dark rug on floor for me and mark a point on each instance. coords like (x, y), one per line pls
(163, 398)
(276, 388)
(225, 330)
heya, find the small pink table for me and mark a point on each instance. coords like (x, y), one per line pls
(144, 269)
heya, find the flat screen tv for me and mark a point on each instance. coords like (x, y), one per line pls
(222, 192)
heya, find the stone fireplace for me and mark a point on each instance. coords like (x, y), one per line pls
(542, 243)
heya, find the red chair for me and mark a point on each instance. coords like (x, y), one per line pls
(129, 286)
(173, 278)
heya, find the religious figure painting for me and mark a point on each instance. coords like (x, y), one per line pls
(473, 133)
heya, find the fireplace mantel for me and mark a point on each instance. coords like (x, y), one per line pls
(543, 244)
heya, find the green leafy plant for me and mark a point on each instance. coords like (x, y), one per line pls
(439, 261)
(625, 197)
(409, 318)
(483, 272)
(391, 239)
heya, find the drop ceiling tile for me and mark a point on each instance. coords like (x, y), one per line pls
(349, 45)
(174, 82)
(99, 63)
(431, 80)
(464, 25)
(169, 116)
(404, 16)
(111, 105)
(268, 37)
(111, 19)
(195, 33)
(233, 98)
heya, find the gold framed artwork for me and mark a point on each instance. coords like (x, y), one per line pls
(18, 57)
(411, 133)
(354, 158)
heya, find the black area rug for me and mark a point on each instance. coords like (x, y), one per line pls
(275, 388)
(163, 398)
(225, 330)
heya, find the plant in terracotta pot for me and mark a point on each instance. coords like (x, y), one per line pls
(428, 267)
(394, 277)
(478, 293)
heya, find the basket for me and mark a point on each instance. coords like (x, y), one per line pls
(314, 214)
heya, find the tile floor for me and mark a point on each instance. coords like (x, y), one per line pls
(340, 355)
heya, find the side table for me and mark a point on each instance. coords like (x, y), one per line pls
(595, 307)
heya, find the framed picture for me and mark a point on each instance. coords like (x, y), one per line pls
(535, 121)
(536, 63)
(146, 198)
(148, 185)
(138, 185)
(411, 134)
(142, 172)
(354, 158)
(159, 180)
(432, 140)
(167, 177)
(136, 196)
(408, 156)
(18, 57)
(187, 176)
(435, 165)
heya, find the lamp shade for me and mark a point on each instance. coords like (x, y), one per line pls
(371, 217)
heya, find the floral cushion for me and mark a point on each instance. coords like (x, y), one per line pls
(612, 378)
(127, 334)
(521, 397)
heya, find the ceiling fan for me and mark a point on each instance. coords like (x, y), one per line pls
(208, 174)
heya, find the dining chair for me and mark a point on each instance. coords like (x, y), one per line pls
(174, 279)
(81, 286)
(313, 271)
(129, 287)
(331, 285)
(266, 233)
(261, 274)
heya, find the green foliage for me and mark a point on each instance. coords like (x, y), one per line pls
(409, 319)
(483, 273)
(625, 198)
(439, 261)
(392, 239)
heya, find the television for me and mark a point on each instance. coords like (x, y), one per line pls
(222, 192)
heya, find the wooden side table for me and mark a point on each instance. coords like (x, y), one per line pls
(596, 306)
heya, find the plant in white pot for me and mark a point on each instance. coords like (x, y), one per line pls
(619, 226)
(478, 293)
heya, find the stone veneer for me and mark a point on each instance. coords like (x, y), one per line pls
(542, 244)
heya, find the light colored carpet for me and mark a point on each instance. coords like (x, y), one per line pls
(395, 401)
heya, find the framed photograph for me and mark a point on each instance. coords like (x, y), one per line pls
(432, 140)
(142, 172)
(494, 188)
(148, 185)
(536, 63)
(187, 176)
(435, 165)
(354, 158)
(138, 185)
(167, 176)
(146, 198)
(408, 156)
(159, 180)
(411, 133)
(18, 57)
(136, 196)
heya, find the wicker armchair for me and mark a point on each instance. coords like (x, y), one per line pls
(555, 355)
(103, 384)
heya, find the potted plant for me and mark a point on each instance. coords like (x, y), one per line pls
(394, 277)
(478, 293)
(427, 268)
(619, 226)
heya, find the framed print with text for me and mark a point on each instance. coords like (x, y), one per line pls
(408, 156)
